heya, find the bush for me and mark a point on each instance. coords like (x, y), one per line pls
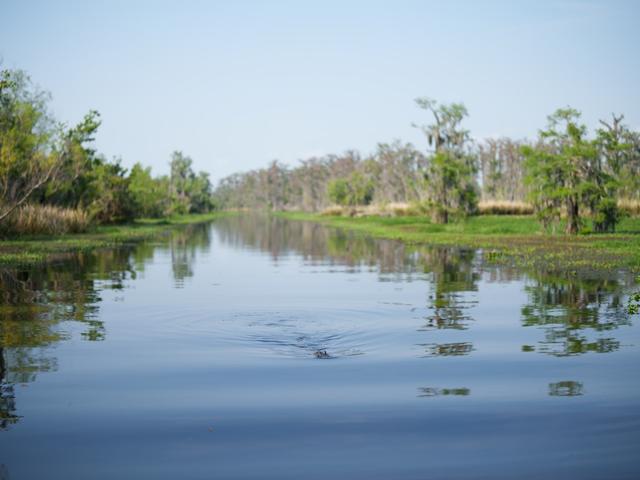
(351, 191)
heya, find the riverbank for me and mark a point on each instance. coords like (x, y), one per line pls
(515, 239)
(38, 249)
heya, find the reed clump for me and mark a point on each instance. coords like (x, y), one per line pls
(333, 211)
(398, 209)
(629, 206)
(374, 210)
(45, 220)
(504, 207)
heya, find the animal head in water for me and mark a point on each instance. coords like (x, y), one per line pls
(321, 354)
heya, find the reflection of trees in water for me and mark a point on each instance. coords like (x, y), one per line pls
(33, 303)
(578, 315)
(7, 396)
(453, 271)
(567, 308)
(567, 388)
(453, 275)
(437, 392)
(318, 244)
(184, 244)
(447, 349)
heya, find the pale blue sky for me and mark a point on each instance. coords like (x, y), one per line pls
(235, 84)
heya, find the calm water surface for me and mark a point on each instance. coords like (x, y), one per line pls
(195, 356)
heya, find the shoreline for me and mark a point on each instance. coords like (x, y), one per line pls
(32, 250)
(504, 238)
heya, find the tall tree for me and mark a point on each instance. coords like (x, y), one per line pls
(181, 177)
(190, 193)
(451, 171)
(566, 175)
(31, 149)
(502, 169)
(619, 148)
(150, 195)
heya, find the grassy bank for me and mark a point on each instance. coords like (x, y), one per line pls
(36, 249)
(515, 239)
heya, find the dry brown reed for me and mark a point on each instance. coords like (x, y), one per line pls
(45, 220)
(490, 207)
(629, 206)
(504, 207)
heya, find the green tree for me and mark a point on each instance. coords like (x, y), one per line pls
(619, 148)
(72, 187)
(31, 148)
(566, 175)
(338, 191)
(200, 193)
(357, 189)
(150, 196)
(450, 174)
(109, 198)
(190, 193)
(181, 177)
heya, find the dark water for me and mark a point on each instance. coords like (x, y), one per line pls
(195, 356)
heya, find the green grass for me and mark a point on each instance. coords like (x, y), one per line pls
(27, 250)
(515, 239)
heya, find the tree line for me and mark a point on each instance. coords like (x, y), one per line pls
(51, 171)
(567, 175)
(48, 169)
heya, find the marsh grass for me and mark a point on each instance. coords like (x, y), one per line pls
(415, 209)
(44, 220)
(397, 209)
(629, 206)
(485, 207)
(504, 207)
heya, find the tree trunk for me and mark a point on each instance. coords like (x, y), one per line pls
(440, 216)
(573, 217)
(48, 175)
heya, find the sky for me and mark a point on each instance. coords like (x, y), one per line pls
(236, 84)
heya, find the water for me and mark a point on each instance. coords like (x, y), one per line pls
(196, 356)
